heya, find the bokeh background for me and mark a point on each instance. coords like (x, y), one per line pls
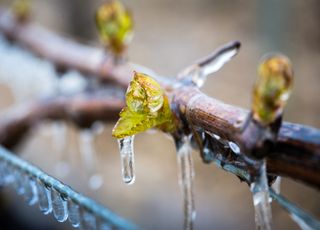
(170, 35)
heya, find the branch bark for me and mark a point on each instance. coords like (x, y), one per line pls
(296, 153)
(81, 110)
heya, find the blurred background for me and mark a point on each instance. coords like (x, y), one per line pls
(170, 35)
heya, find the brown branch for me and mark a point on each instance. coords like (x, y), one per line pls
(82, 110)
(63, 52)
(297, 150)
(296, 153)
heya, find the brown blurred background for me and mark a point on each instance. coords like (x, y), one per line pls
(170, 35)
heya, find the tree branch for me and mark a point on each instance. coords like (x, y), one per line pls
(82, 110)
(296, 153)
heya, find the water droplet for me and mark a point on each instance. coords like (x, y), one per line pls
(127, 159)
(186, 174)
(44, 197)
(31, 192)
(234, 147)
(59, 206)
(260, 191)
(74, 213)
(88, 221)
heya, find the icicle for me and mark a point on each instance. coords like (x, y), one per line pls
(31, 193)
(74, 213)
(127, 159)
(88, 155)
(260, 190)
(186, 172)
(44, 197)
(276, 186)
(59, 206)
(88, 221)
(211, 64)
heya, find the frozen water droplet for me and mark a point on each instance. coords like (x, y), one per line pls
(276, 186)
(234, 147)
(95, 181)
(88, 221)
(59, 206)
(186, 179)
(74, 213)
(260, 191)
(127, 159)
(31, 192)
(44, 197)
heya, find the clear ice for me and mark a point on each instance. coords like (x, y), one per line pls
(74, 213)
(186, 175)
(127, 159)
(30, 190)
(211, 64)
(44, 197)
(59, 206)
(260, 192)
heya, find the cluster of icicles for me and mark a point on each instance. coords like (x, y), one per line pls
(197, 75)
(49, 198)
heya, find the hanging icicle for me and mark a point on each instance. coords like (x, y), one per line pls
(186, 175)
(127, 159)
(260, 191)
(53, 196)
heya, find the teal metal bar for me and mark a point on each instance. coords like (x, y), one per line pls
(102, 214)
